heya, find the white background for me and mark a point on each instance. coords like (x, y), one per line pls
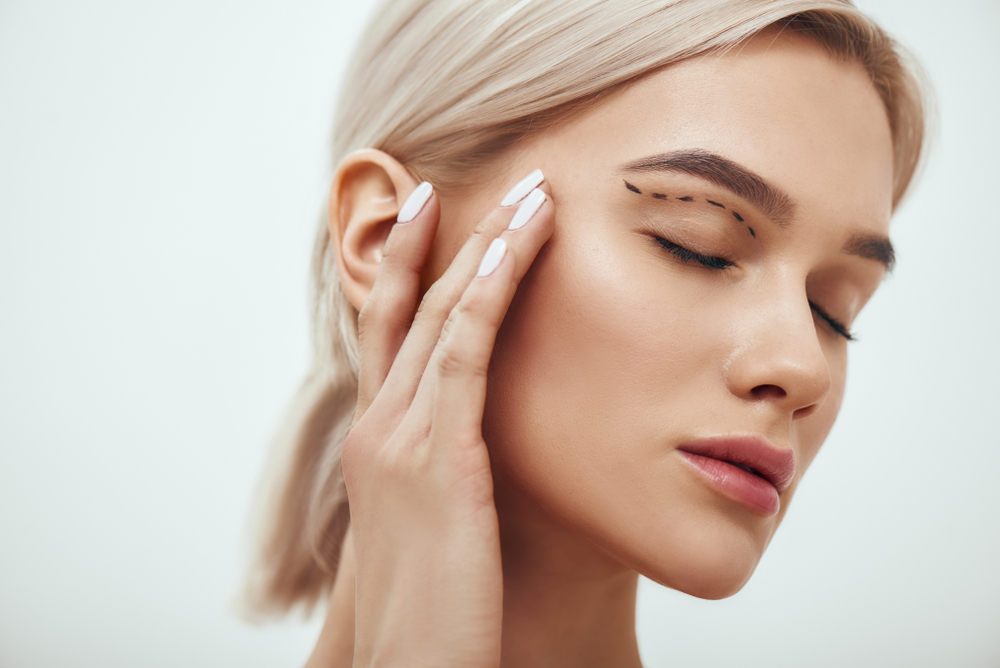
(162, 167)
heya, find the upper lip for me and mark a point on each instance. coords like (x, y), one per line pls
(774, 464)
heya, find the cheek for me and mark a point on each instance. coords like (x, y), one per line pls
(812, 431)
(591, 360)
(600, 368)
(608, 358)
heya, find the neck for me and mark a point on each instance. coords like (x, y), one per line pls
(566, 603)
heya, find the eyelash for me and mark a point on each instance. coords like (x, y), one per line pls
(834, 324)
(688, 255)
(718, 264)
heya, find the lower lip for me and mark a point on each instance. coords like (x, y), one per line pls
(741, 486)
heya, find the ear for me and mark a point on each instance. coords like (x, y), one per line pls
(368, 190)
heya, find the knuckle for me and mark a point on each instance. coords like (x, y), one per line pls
(380, 309)
(389, 247)
(492, 224)
(426, 304)
(476, 306)
(387, 298)
(465, 310)
(402, 461)
(351, 456)
(455, 353)
(389, 251)
(365, 457)
(448, 325)
(450, 362)
(456, 360)
(482, 228)
(432, 306)
(371, 313)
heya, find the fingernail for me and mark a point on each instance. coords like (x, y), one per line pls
(527, 184)
(492, 258)
(415, 203)
(529, 207)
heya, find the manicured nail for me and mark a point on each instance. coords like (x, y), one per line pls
(520, 191)
(492, 258)
(529, 207)
(415, 203)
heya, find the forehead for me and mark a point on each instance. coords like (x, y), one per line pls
(777, 104)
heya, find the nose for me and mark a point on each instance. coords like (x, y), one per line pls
(780, 358)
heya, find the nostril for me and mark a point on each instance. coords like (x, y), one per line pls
(768, 392)
(805, 412)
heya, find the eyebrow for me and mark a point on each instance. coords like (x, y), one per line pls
(871, 247)
(770, 200)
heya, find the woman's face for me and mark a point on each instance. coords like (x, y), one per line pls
(719, 225)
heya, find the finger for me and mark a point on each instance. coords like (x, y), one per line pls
(452, 392)
(439, 301)
(386, 315)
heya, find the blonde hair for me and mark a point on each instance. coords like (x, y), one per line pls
(444, 86)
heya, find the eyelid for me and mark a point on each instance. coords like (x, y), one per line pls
(687, 255)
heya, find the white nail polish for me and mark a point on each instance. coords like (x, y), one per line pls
(415, 202)
(529, 207)
(492, 258)
(527, 184)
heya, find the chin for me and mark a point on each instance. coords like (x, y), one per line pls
(706, 559)
(718, 576)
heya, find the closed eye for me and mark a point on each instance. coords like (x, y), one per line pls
(690, 256)
(833, 323)
(718, 263)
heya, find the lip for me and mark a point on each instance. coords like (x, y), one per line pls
(716, 459)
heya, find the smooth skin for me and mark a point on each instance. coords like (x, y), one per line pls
(514, 460)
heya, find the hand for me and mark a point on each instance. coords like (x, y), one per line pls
(429, 585)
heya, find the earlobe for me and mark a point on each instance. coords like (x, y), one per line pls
(368, 190)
